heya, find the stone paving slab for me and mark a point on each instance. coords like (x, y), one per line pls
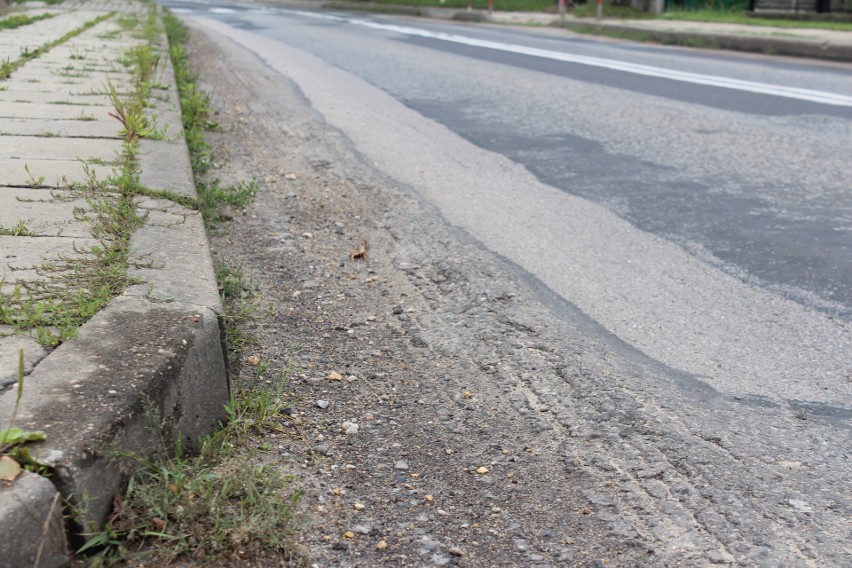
(83, 81)
(56, 127)
(21, 110)
(59, 89)
(29, 147)
(48, 173)
(46, 213)
(23, 256)
(10, 346)
(24, 253)
(80, 85)
(49, 97)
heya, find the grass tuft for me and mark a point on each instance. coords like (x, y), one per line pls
(20, 20)
(221, 504)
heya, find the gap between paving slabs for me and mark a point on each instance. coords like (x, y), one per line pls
(160, 336)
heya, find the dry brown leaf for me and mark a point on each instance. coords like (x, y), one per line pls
(9, 469)
(361, 251)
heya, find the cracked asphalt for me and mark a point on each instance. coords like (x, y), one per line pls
(479, 418)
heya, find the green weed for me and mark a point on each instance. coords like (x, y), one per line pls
(130, 114)
(214, 199)
(19, 20)
(18, 230)
(240, 302)
(32, 181)
(211, 506)
(14, 452)
(6, 69)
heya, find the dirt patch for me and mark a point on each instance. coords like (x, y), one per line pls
(412, 429)
(449, 409)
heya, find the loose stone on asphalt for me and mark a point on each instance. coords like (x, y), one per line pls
(618, 471)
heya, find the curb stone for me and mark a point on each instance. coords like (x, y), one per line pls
(31, 512)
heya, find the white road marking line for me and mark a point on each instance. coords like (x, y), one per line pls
(821, 97)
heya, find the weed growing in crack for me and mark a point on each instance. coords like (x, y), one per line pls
(32, 181)
(20, 20)
(6, 69)
(14, 452)
(214, 199)
(208, 505)
(130, 114)
(19, 229)
(240, 302)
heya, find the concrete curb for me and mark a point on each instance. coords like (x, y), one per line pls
(147, 370)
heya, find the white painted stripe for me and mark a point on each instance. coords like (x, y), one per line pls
(822, 97)
(222, 10)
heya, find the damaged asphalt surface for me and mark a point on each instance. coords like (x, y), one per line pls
(473, 417)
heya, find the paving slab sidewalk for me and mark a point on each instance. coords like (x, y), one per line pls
(150, 365)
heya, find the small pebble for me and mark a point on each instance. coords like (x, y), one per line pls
(400, 465)
(349, 534)
(482, 470)
(359, 506)
(322, 404)
(456, 551)
(381, 545)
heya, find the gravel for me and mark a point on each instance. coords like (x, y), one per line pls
(538, 440)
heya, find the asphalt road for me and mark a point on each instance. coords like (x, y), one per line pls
(695, 204)
(692, 209)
